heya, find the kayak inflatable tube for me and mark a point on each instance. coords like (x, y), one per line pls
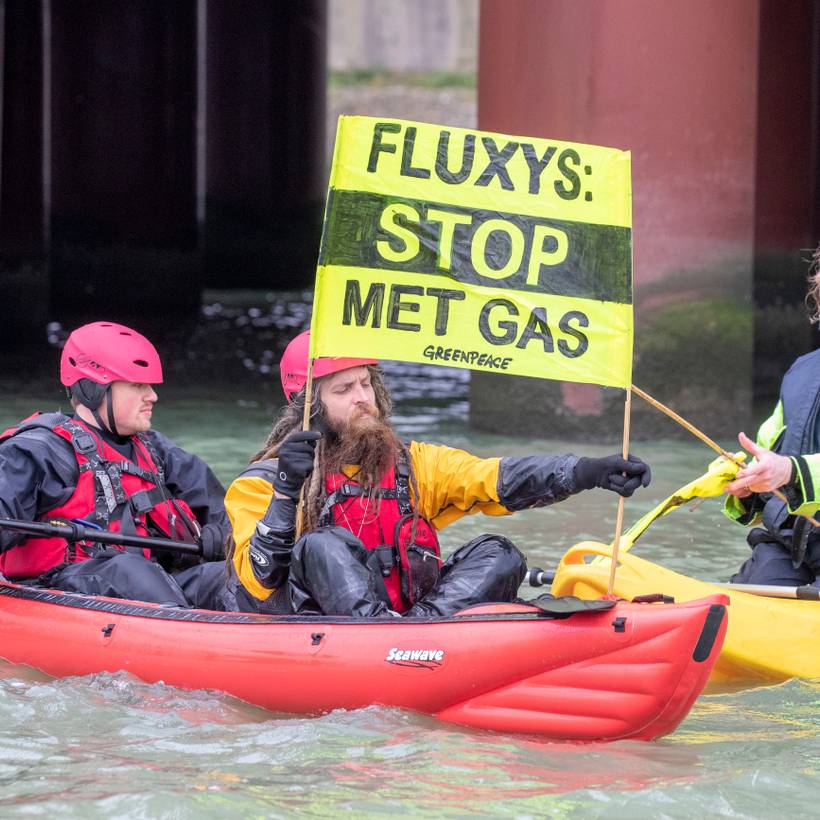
(623, 670)
(769, 640)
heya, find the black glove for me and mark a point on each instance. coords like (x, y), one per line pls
(295, 462)
(612, 473)
(211, 541)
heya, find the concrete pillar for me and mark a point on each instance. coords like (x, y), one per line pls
(23, 306)
(123, 100)
(265, 164)
(676, 83)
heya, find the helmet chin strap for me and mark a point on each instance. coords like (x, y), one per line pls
(109, 408)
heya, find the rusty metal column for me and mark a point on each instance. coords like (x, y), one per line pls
(265, 165)
(677, 84)
(23, 270)
(124, 242)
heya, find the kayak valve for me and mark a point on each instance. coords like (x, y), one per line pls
(538, 577)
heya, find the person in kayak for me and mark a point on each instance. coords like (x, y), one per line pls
(785, 547)
(373, 504)
(103, 466)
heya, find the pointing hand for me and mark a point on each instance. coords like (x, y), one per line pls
(769, 471)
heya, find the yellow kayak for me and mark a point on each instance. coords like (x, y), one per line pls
(768, 639)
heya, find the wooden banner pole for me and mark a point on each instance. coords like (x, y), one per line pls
(300, 506)
(706, 440)
(619, 521)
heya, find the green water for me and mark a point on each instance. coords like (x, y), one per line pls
(111, 746)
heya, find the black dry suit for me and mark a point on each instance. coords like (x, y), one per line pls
(53, 466)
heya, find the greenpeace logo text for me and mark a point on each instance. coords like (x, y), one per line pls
(418, 658)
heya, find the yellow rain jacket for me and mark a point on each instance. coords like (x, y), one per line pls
(452, 483)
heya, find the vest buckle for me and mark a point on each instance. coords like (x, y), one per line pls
(386, 558)
(84, 442)
(141, 502)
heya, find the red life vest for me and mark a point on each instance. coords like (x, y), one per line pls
(405, 546)
(112, 492)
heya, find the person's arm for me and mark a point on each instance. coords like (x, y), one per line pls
(803, 491)
(797, 477)
(38, 472)
(263, 529)
(453, 483)
(744, 504)
(188, 477)
(536, 481)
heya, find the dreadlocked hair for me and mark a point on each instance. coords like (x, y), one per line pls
(290, 419)
(813, 296)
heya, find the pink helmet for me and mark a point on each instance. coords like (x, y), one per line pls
(106, 352)
(294, 365)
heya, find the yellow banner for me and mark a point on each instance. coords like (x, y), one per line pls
(377, 313)
(479, 250)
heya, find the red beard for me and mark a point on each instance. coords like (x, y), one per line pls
(366, 440)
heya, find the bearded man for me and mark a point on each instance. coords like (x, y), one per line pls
(373, 505)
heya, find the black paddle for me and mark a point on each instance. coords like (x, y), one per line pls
(72, 531)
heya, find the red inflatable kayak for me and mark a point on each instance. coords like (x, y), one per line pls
(567, 671)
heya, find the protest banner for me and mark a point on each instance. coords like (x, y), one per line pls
(473, 249)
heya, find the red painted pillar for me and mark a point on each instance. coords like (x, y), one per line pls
(675, 83)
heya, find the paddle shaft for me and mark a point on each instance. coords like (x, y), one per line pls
(804, 593)
(77, 532)
(538, 577)
(707, 441)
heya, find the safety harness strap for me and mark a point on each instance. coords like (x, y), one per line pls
(401, 492)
